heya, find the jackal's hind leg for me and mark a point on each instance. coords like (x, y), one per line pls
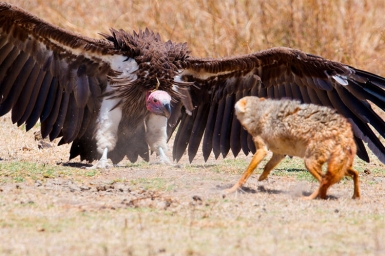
(314, 166)
(354, 174)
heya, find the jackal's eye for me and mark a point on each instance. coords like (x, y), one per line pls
(155, 100)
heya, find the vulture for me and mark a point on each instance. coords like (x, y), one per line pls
(124, 95)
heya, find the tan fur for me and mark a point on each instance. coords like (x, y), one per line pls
(315, 133)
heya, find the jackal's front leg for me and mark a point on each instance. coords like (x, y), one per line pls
(257, 158)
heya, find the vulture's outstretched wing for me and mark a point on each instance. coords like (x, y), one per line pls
(275, 73)
(87, 91)
(49, 73)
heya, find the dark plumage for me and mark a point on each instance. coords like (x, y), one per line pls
(68, 81)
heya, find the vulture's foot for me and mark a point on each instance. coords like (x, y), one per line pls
(163, 161)
(102, 163)
(163, 158)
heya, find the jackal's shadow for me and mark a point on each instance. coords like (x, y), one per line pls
(249, 190)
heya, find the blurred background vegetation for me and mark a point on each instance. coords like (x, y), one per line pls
(350, 31)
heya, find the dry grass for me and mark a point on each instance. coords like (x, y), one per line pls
(140, 209)
(350, 31)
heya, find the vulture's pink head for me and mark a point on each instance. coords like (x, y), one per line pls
(159, 103)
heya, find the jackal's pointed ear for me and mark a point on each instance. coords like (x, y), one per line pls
(240, 106)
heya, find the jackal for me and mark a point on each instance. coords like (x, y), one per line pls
(315, 133)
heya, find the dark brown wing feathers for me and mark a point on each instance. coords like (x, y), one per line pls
(41, 76)
(182, 138)
(197, 130)
(284, 73)
(225, 131)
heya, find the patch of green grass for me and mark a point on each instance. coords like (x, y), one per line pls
(119, 180)
(373, 168)
(18, 179)
(230, 166)
(91, 173)
(153, 184)
(226, 166)
(22, 127)
(293, 167)
(139, 164)
(21, 171)
(304, 175)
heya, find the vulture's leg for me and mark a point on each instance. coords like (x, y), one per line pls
(106, 133)
(156, 137)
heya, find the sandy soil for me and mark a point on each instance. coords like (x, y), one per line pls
(58, 208)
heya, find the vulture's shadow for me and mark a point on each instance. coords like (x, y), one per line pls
(75, 165)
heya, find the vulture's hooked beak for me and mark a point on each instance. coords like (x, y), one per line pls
(167, 110)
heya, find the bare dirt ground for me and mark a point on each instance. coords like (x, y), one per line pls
(51, 206)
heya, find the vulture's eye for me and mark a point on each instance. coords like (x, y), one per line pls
(155, 100)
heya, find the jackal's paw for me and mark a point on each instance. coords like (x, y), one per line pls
(307, 198)
(230, 190)
(263, 177)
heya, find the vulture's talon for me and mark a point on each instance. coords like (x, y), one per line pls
(101, 164)
(163, 161)
(163, 158)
